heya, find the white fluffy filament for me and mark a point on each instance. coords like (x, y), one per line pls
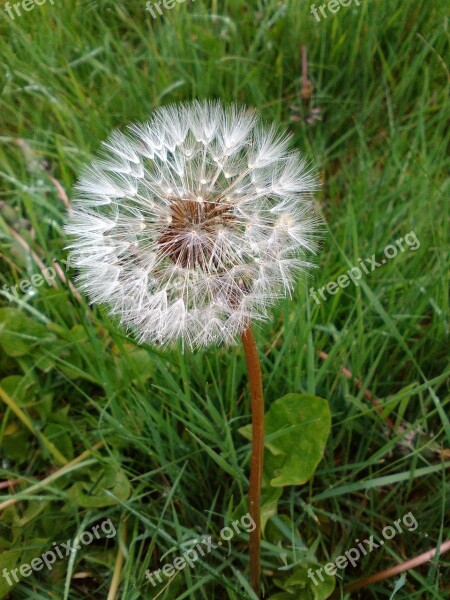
(193, 224)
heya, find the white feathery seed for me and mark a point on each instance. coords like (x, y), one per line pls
(191, 225)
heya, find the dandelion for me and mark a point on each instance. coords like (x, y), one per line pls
(190, 227)
(193, 224)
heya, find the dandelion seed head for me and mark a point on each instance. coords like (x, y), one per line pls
(193, 224)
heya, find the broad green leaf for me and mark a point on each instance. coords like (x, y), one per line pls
(60, 438)
(92, 494)
(13, 559)
(136, 364)
(19, 334)
(17, 446)
(303, 583)
(297, 428)
(9, 560)
(18, 388)
(269, 503)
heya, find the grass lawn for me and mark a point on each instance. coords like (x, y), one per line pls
(96, 429)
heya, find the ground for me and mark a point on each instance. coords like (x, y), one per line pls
(159, 460)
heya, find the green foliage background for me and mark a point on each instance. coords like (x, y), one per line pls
(158, 431)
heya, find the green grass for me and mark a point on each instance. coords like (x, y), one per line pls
(171, 453)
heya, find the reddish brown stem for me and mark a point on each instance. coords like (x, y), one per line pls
(409, 564)
(257, 460)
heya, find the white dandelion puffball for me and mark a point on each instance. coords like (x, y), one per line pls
(192, 224)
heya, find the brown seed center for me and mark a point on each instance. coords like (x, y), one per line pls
(190, 238)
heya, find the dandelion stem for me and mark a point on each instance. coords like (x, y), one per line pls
(256, 467)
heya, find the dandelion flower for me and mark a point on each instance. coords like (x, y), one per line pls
(191, 225)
